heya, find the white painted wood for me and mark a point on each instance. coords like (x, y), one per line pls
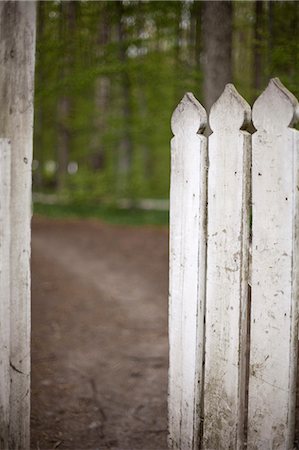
(227, 272)
(17, 50)
(187, 273)
(4, 290)
(274, 315)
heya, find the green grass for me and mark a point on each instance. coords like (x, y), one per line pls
(108, 214)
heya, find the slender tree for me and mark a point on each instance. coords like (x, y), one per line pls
(195, 35)
(126, 144)
(217, 40)
(101, 89)
(68, 17)
(258, 43)
(39, 113)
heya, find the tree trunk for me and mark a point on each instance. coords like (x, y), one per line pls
(217, 39)
(271, 18)
(146, 169)
(64, 108)
(17, 51)
(39, 112)
(196, 33)
(178, 50)
(125, 149)
(257, 66)
(101, 92)
(64, 138)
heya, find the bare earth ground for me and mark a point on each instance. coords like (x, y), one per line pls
(99, 336)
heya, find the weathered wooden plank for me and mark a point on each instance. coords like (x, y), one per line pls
(275, 251)
(4, 290)
(187, 272)
(17, 50)
(227, 272)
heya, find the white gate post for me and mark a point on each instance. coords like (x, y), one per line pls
(17, 56)
(187, 272)
(227, 272)
(4, 290)
(275, 252)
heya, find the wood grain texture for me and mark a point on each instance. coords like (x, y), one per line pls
(187, 273)
(227, 272)
(17, 52)
(274, 316)
(4, 290)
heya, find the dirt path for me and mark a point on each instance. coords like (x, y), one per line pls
(99, 336)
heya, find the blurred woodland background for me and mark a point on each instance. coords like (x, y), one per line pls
(110, 73)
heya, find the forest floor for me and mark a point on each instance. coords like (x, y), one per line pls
(99, 335)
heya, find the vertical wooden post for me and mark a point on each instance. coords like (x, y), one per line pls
(4, 290)
(17, 51)
(187, 272)
(227, 272)
(275, 251)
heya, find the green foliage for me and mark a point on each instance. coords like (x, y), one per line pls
(109, 75)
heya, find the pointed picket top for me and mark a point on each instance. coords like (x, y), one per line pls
(275, 108)
(230, 111)
(228, 215)
(189, 116)
(187, 262)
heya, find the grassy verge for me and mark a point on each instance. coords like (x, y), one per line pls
(106, 213)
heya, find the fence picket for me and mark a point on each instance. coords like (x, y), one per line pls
(187, 272)
(4, 290)
(274, 315)
(227, 272)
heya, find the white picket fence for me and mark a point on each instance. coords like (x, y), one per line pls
(233, 312)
